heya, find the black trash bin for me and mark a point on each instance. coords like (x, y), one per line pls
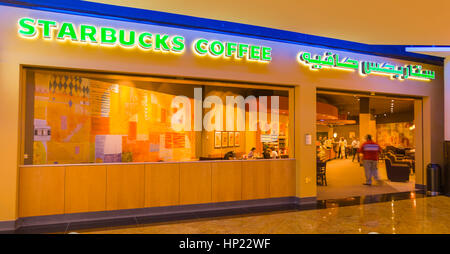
(434, 179)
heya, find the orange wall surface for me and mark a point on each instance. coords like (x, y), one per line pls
(373, 22)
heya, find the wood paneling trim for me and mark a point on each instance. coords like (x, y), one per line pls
(162, 184)
(195, 183)
(255, 179)
(85, 189)
(73, 189)
(282, 178)
(41, 191)
(125, 186)
(226, 181)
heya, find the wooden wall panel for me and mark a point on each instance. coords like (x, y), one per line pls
(41, 191)
(85, 189)
(73, 189)
(195, 183)
(226, 181)
(255, 179)
(162, 184)
(125, 186)
(282, 178)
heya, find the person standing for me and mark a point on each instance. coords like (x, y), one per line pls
(273, 154)
(266, 153)
(229, 156)
(345, 148)
(251, 154)
(370, 151)
(342, 144)
(328, 143)
(355, 147)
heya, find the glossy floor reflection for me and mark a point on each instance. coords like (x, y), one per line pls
(427, 215)
(345, 179)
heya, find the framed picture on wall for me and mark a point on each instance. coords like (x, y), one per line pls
(224, 139)
(230, 139)
(237, 138)
(217, 139)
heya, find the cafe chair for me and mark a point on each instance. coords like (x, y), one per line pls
(397, 172)
(322, 173)
(399, 160)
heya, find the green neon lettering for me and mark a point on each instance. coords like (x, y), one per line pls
(67, 29)
(255, 53)
(266, 54)
(178, 43)
(143, 37)
(198, 46)
(243, 48)
(231, 48)
(161, 40)
(216, 48)
(88, 31)
(27, 29)
(131, 36)
(108, 35)
(47, 26)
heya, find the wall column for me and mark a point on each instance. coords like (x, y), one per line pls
(9, 134)
(330, 132)
(447, 98)
(305, 155)
(418, 140)
(367, 124)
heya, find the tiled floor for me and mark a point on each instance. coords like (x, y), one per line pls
(345, 179)
(413, 215)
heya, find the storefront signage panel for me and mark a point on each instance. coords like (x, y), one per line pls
(109, 37)
(333, 61)
(228, 50)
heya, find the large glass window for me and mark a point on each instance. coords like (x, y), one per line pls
(74, 117)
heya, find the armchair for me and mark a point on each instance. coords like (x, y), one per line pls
(397, 172)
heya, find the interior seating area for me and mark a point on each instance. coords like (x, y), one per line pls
(343, 121)
(399, 163)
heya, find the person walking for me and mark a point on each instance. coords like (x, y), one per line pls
(355, 147)
(370, 151)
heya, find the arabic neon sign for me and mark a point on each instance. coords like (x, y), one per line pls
(333, 61)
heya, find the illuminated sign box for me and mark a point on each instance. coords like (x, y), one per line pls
(333, 61)
(110, 37)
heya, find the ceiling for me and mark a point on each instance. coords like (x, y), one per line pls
(413, 22)
(349, 104)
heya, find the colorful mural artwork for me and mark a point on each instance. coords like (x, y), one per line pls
(81, 120)
(400, 135)
(102, 118)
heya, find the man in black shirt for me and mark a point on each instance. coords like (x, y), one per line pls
(229, 155)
